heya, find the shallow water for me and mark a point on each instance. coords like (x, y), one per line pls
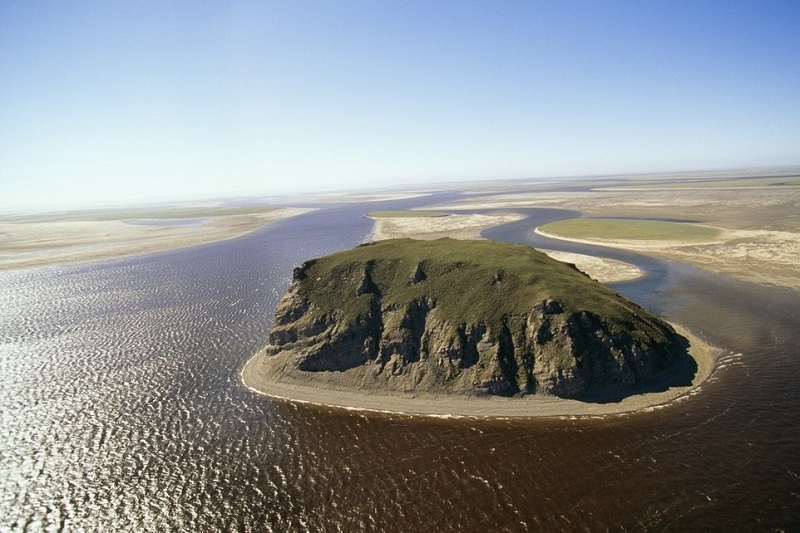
(121, 409)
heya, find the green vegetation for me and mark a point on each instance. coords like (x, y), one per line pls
(405, 214)
(616, 228)
(466, 281)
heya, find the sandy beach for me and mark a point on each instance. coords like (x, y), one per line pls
(34, 241)
(534, 406)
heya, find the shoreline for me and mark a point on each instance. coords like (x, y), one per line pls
(454, 406)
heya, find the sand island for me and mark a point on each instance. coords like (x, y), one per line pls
(454, 327)
(64, 237)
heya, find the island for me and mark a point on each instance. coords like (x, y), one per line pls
(453, 326)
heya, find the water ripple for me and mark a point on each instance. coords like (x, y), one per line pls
(121, 409)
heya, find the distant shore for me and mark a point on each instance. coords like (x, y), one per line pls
(46, 241)
(759, 238)
(452, 405)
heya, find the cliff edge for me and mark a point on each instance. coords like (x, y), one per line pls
(465, 317)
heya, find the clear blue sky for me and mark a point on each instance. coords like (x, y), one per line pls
(130, 101)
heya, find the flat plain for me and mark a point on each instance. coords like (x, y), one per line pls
(755, 219)
(742, 224)
(50, 238)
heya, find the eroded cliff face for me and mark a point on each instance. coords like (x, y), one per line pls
(411, 347)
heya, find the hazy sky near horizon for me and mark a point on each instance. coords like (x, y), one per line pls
(119, 102)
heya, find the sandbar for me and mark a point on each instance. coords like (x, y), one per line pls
(36, 241)
(255, 378)
(458, 226)
(601, 269)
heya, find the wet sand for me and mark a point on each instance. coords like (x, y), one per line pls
(256, 377)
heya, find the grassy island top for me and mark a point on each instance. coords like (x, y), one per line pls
(466, 281)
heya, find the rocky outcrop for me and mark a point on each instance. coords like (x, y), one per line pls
(417, 343)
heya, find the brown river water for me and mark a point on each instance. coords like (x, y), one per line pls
(121, 409)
